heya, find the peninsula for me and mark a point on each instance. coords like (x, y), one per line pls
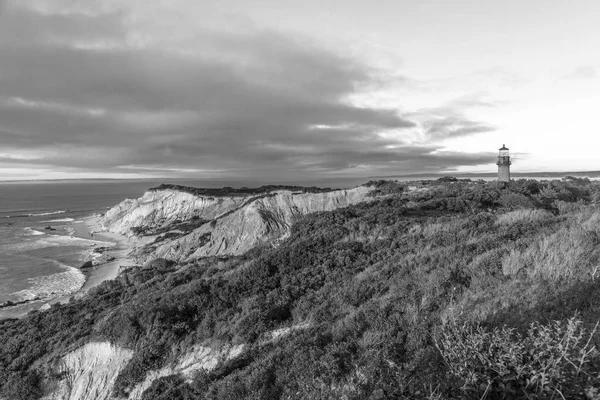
(386, 290)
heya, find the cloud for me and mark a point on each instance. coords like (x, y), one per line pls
(452, 125)
(583, 72)
(450, 121)
(100, 87)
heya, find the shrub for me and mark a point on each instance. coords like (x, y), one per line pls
(549, 360)
(139, 230)
(512, 200)
(172, 387)
(22, 386)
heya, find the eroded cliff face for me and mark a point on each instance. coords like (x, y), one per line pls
(90, 372)
(235, 224)
(158, 208)
(199, 358)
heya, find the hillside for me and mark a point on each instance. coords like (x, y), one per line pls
(184, 224)
(432, 290)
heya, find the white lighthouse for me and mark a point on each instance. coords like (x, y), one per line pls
(503, 164)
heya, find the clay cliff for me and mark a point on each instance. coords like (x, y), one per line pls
(182, 226)
(158, 208)
(89, 372)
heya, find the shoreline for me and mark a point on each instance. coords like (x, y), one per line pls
(91, 229)
(113, 247)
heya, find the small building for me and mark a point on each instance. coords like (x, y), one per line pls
(503, 164)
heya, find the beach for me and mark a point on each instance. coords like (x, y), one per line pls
(115, 247)
(91, 227)
(107, 252)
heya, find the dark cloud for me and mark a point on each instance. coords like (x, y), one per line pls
(76, 91)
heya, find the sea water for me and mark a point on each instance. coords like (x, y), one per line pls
(37, 264)
(39, 254)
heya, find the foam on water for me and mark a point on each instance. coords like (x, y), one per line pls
(27, 264)
(55, 285)
(32, 232)
(60, 220)
(50, 241)
(35, 215)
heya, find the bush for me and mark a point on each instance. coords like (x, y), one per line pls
(358, 291)
(23, 386)
(557, 360)
(171, 387)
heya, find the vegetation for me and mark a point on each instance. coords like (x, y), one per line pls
(172, 230)
(244, 191)
(439, 289)
(552, 360)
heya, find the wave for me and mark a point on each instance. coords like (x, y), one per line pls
(32, 232)
(60, 220)
(35, 215)
(52, 286)
(51, 241)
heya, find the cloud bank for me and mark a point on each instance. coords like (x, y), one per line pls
(174, 89)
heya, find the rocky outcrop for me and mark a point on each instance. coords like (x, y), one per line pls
(206, 358)
(89, 373)
(233, 225)
(158, 208)
(200, 357)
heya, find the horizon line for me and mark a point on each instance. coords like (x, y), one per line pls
(595, 173)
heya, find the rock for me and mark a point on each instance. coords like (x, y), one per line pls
(7, 304)
(161, 207)
(87, 264)
(238, 223)
(90, 372)
(49, 228)
(124, 268)
(10, 303)
(199, 358)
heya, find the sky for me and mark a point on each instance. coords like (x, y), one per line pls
(287, 90)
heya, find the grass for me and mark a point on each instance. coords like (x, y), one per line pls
(558, 359)
(483, 270)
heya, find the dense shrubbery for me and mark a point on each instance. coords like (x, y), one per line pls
(554, 360)
(229, 191)
(370, 285)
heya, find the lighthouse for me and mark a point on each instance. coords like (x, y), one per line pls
(503, 164)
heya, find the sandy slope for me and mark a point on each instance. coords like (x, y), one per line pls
(120, 250)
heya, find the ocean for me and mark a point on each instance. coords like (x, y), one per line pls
(39, 254)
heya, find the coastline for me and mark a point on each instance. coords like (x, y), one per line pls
(108, 252)
(118, 254)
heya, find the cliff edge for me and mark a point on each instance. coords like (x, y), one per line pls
(183, 224)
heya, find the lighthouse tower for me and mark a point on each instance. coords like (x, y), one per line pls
(503, 164)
